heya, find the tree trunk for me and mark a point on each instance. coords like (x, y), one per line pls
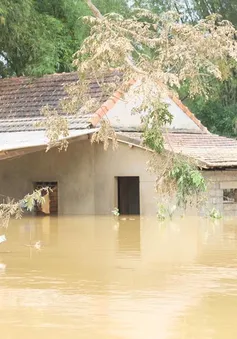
(94, 9)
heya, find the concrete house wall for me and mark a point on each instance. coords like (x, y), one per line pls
(86, 176)
(122, 116)
(73, 170)
(125, 161)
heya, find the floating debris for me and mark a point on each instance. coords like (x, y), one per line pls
(37, 245)
(115, 212)
(2, 238)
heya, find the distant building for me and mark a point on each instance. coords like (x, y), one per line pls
(88, 180)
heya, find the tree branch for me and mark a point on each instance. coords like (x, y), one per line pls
(98, 15)
(94, 9)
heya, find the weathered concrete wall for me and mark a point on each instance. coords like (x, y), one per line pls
(125, 161)
(218, 181)
(73, 170)
(87, 175)
(121, 115)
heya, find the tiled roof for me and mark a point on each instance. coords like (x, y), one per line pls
(21, 100)
(212, 151)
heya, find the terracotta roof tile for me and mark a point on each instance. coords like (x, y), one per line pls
(21, 100)
(212, 151)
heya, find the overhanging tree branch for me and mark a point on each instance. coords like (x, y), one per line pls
(98, 15)
(161, 60)
(94, 9)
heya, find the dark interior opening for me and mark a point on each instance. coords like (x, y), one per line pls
(128, 195)
(53, 196)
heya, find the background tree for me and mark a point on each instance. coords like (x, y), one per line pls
(40, 36)
(161, 54)
(219, 112)
(193, 10)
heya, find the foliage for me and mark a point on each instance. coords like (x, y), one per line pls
(226, 8)
(218, 118)
(115, 212)
(56, 128)
(30, 200)
(217, 112)
(115, 6)
(152, 49)
(40, 36)
(153, 123)
(29, 40)
(188, 180)
(193, 10)
(215, 214)
(156, 6)
(165, 211)
(179, 182)
(11, 208)
(105, 133)
(161, 54)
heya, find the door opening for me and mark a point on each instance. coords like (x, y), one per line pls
(128, 195)
(53, 197)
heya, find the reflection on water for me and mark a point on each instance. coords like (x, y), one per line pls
(102, 277)
(129, 239)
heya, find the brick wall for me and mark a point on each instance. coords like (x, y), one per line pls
(217, 181)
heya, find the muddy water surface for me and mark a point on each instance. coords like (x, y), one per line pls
(98, 277)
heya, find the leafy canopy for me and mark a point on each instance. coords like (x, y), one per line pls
(161, 54)
(40, 36)
(218, 112)
(158, 51)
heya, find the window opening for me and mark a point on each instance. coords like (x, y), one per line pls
(230, 195)
(51, 200)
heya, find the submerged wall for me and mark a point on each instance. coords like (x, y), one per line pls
(125, 161)
(73, 170)
(217, 182)
(87, 178)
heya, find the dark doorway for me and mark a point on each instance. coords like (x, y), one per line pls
(53, 196)
(128, 195)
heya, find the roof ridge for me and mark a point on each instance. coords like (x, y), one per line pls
(110, 103)
(36, 77)
(105, 106)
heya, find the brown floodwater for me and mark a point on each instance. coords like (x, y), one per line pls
(127, 278)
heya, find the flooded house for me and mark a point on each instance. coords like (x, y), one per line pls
(86, 179)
